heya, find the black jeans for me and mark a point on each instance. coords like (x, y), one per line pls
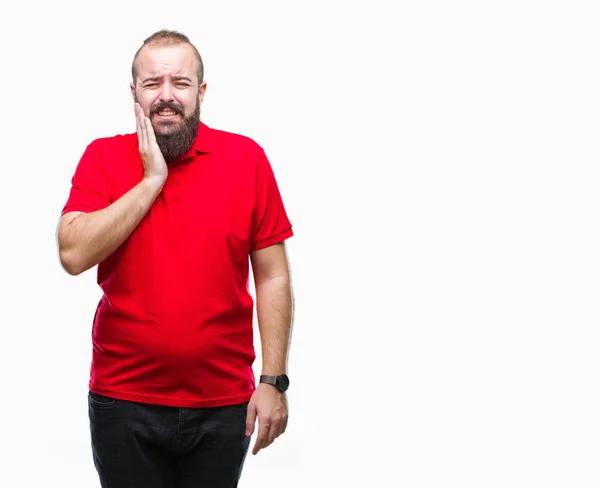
(137, 445)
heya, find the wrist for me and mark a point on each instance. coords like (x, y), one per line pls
(154, 182)
(281, 382)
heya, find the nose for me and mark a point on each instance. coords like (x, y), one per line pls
(166, 92)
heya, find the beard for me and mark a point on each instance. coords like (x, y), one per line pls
(175, 138)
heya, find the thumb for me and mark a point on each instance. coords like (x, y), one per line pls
(250, 419)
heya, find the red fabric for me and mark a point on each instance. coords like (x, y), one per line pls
(174, 325)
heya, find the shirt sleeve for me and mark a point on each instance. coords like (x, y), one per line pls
(89, 185)
(270, 223)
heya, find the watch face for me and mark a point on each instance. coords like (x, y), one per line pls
(284, 382)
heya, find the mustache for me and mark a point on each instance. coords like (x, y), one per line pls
(166, 106)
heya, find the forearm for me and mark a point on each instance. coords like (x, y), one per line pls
(274, 305)
(91, 237)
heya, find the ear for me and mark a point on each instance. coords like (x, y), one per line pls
(201, 92)
(132, 87)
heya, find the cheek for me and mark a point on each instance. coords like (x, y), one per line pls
(146, 100)
(188, 104)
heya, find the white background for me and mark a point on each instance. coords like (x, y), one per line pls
(439, 162)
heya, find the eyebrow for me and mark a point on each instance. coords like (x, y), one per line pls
(176, 78)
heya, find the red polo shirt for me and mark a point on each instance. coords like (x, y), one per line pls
(174, 325)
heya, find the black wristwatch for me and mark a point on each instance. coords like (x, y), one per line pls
(281, 382)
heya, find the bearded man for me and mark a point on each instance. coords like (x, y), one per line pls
(173, 215)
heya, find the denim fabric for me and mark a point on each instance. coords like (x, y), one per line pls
(138, 445)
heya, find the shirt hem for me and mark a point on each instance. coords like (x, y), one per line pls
(277, 238)
(76, 208)
(172, 401)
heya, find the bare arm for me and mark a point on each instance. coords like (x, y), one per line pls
(274, 305)
(85, 239)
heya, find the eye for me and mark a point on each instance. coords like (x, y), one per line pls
(151, 85)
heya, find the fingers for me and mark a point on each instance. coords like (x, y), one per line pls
(264, 426)
(145, 130)
(141, 127)
(282, 425)
(285, 425)
(150, 136)
(250, 419)
(277, 428)
(269, 430)
(137, 124)
(273, 434)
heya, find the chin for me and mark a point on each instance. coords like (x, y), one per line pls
(165, 126)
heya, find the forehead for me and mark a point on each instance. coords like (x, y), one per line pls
(173, 60)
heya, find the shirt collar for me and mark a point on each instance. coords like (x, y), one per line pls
(202, 144)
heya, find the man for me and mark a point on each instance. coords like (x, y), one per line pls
(172, 215)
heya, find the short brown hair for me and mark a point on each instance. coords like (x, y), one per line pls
(166, 37)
